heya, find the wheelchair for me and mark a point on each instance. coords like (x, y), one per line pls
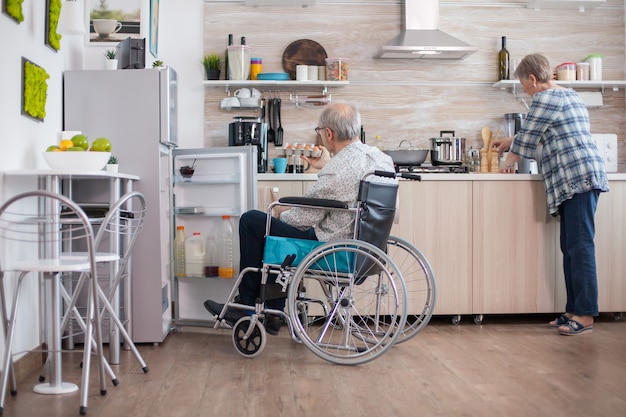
(347, 300)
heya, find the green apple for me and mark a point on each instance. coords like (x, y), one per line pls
(75, 149)
(101, 145)
(53, 148)
(80, 141)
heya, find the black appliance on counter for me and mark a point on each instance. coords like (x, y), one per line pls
(250, 131)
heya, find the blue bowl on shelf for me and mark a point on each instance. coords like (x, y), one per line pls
(273, 76)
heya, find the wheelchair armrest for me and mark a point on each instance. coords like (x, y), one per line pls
(314, 202)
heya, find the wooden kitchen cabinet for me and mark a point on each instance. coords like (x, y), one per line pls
(436, 217)
(610, 246)
(270, 191)
(514, 259)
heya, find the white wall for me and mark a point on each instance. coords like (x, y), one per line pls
(23, 139)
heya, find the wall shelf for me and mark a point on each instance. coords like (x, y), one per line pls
(515, 86)
(276, 85)
(581, 5)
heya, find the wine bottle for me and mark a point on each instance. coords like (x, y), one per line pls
(503, 61)
(226, 69)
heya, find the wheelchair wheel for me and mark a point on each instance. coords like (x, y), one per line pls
(419, 279)
(249, 336)
(363, 297)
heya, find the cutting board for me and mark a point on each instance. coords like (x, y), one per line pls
(303, 52)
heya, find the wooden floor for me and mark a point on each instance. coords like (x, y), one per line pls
(509, 366)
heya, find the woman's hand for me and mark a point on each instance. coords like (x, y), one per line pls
(320, 161)
(502, 145)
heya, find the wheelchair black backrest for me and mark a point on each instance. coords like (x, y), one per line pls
(377, 211)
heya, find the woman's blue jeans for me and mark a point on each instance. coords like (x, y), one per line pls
(251, 246)
(579, 255)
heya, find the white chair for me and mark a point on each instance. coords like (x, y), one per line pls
(114, 243)
(39, 231)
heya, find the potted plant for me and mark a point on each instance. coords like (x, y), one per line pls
(112, 164)
(111, 58)
(212, 64)
(157, 64)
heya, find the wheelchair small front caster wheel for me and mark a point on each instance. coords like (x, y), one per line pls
(249, 336)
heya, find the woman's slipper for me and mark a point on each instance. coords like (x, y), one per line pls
(574, 328)
(559, 321)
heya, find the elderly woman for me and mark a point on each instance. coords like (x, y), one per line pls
(573, 175)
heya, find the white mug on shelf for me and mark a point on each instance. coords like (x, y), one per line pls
(243, 93)
(230, 102)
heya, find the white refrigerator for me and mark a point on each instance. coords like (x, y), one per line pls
(136, 110)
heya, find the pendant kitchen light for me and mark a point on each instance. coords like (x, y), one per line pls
(71, 18)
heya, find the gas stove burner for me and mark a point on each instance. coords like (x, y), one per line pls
(432, 169)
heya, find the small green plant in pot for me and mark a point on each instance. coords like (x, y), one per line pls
(112, 164)
(111, 59)
(157, 64)
(212, 64)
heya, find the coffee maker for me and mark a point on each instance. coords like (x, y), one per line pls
(250, 131)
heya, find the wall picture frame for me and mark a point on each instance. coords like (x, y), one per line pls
(34, 90)
(111, 22)
(13, 9)
(52, 38)
(154, 28)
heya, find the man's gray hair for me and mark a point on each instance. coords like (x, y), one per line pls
(343, 119)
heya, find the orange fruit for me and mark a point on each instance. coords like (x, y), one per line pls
(66, 144)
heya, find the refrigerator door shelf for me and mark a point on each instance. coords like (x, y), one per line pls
(233, 211)
(189, 210)
(208, 179)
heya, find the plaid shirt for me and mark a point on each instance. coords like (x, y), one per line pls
(570, 161)
(339, 180)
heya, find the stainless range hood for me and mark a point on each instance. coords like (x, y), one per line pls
(421, 37)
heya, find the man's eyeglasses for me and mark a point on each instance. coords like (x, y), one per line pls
(317, 129)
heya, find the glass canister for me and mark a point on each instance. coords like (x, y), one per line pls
(239, 62)
(256, 67)
(583, 71)
(336, 69)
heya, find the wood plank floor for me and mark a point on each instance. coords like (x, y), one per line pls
(509, 366)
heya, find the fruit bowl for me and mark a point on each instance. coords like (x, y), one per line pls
(80, 161)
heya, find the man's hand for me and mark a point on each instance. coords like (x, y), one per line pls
(320, 161)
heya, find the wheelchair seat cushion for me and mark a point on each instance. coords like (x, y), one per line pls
(277, 248)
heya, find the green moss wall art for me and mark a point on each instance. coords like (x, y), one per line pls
(13, 8)
(34, 90)
(53, 10)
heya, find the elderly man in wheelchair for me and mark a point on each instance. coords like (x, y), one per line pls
(286, 258)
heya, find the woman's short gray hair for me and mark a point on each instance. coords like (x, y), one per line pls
(537, 65)
(343, 119)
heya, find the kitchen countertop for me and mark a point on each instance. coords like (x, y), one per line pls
(619, 176)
